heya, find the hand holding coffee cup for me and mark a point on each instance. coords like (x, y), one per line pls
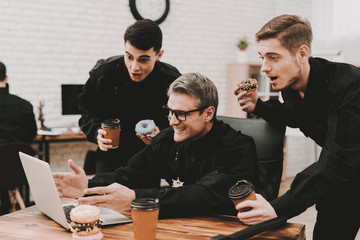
(241, 191)
(109, 134)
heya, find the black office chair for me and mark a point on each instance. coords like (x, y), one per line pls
(269, 141)
(12, 175)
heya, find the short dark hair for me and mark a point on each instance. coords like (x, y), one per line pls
(290, 30)
(2, 71)
(144, 34)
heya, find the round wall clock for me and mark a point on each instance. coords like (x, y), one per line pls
(156, 10)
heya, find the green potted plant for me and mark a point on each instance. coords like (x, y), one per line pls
(242, 45)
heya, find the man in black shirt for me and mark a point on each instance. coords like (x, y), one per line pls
(131, 88)
(17, 124)
(17, 120)
(322, 99)
(199, 156)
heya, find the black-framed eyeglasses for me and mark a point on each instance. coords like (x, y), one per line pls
(180, 115)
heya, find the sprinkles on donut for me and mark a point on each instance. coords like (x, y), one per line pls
(144, 127)
(248, 85)
(85, 223)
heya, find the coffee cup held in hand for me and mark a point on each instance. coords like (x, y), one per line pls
(112, 129)
(241, 191)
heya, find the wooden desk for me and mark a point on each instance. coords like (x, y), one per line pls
(45, 140)
(31, 224)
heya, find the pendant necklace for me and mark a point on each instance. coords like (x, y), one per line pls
(177, 183)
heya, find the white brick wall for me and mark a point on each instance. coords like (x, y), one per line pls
(45, 43)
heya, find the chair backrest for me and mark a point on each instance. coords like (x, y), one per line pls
(11, 170)
(269, 141)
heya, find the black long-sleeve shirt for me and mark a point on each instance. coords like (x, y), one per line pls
(110, 93)
(208, 167)
(330, 115)
(17, 120)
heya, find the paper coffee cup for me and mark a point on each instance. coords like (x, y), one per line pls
(145, 214)
(241, 191)
(112, 129)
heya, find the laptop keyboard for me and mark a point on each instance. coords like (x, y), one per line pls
(67, 209)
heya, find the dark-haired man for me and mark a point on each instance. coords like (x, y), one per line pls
(131, 88)
(322, 99)
(17, 120)
(17, 124)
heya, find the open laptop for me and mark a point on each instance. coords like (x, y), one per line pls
(47, 198)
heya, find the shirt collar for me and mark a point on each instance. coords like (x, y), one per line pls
(317, 83)
(4, 91)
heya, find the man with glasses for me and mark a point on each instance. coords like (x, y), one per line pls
(199, 156)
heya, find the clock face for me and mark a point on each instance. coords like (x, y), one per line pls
(156, 10)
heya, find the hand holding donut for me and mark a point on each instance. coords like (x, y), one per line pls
(246, 94)
(146, 130)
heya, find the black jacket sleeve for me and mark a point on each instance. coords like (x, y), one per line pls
(275, 112)
(96, 97)
(91, 118)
